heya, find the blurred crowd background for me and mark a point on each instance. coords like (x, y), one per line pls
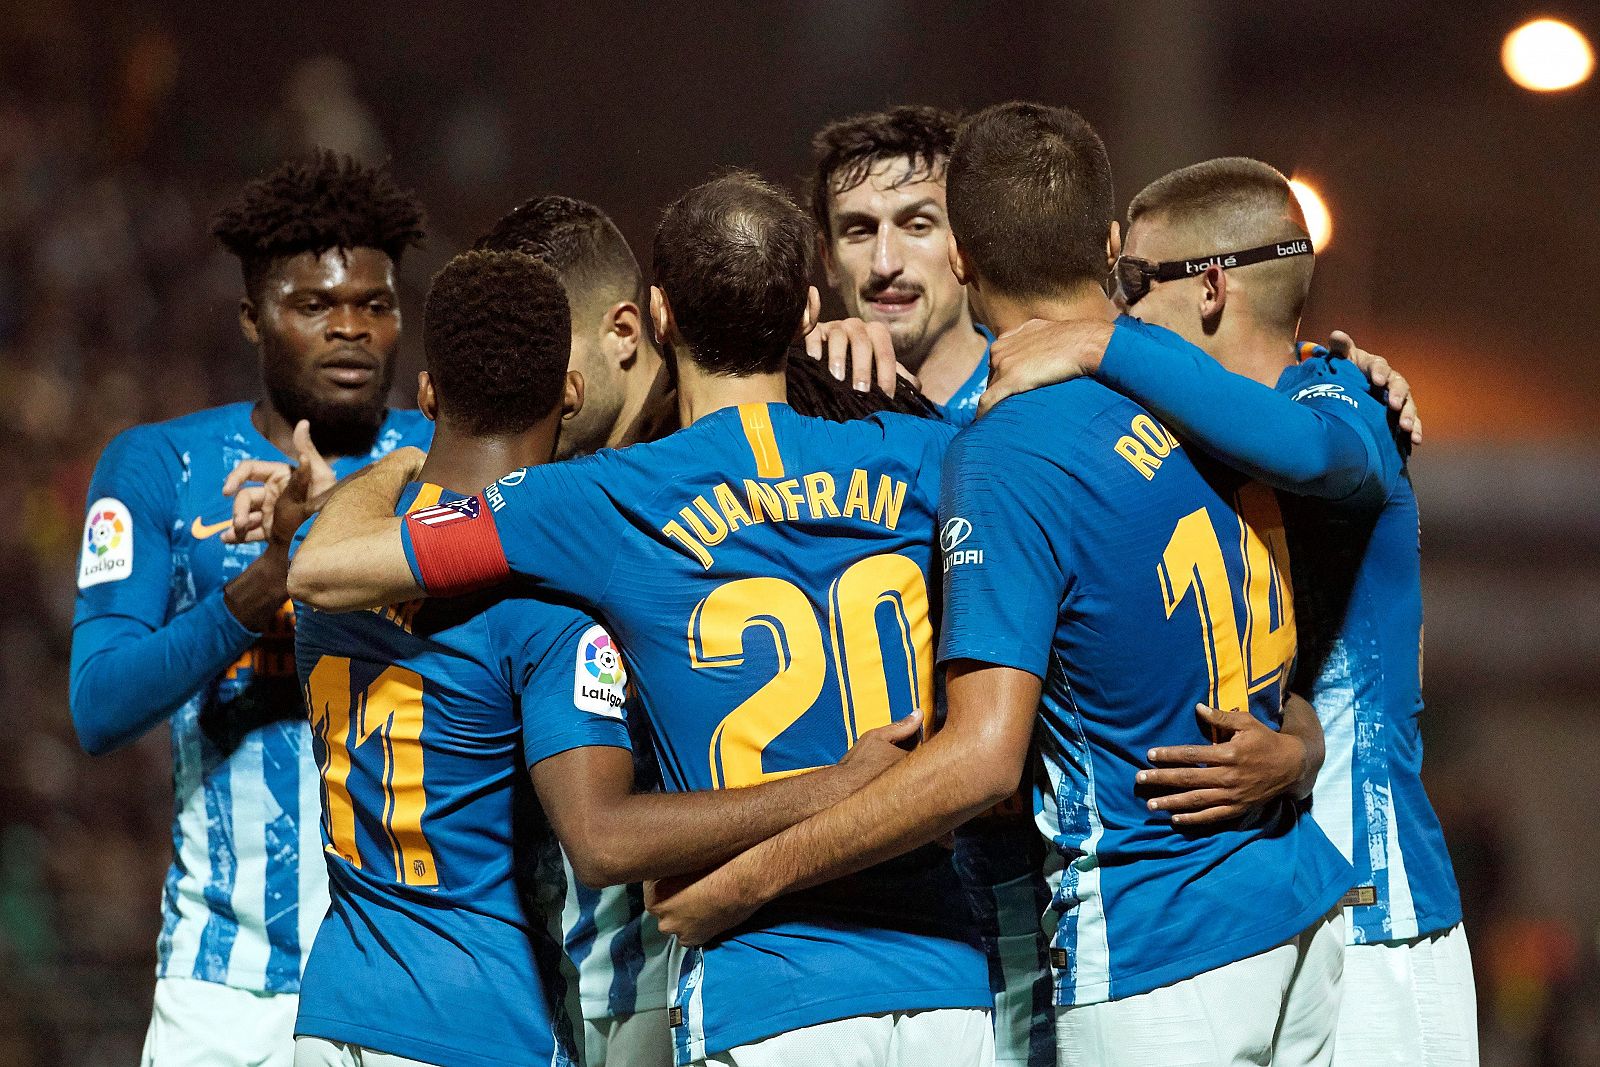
(1463, 248)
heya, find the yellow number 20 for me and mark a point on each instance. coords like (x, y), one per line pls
(390, 711)
(779, 608)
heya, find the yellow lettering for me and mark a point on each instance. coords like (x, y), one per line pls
(764, 501)
(716, 532)
(1136, 454)
(732, 510)
(856, 503)
(891, 497)
(1154, 436)
(676, 531)
(790, 488)
(819, 495)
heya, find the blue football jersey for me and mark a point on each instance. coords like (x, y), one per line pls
(443, 941)
(772, 578)
(239, 907)
(1358, 589)
(1084, 545)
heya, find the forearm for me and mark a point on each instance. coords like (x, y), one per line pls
(352, 558)
(657, 835)
(1257, 430)
(127, 678)
(1300, 721)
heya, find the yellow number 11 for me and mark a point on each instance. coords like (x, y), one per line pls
(390, 710)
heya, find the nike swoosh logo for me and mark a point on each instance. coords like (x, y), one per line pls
(201, 531)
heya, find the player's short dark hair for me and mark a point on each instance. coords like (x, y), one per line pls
(578, 241)
(311, 204)
(1226, 205)
(733, 256)
(1029, 193)
(846, 151)
(498, 334)
(813, 390)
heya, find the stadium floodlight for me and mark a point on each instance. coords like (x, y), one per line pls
(1547, 55)
(1319, 221)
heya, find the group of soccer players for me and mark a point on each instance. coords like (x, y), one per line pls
(814, 718)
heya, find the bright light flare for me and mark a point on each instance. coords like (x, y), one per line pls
(1546, 56)
(1318, 221)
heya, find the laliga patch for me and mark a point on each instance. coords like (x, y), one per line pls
(107, 543)
(599, 678)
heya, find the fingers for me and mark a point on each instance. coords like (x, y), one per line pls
(1189, 754)
(1228, 722)
(838, 352)
(883, 358)
(1191, 801)
(1340, 344)
(1207, 777)
(901, 729)
(814, 341)
(252, 470)
(1207, 816)
(251, 515)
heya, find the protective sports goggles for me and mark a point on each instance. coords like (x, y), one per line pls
(1133, 276)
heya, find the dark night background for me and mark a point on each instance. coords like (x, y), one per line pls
(1464, 248)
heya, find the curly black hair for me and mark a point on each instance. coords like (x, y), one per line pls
(813, 390)
(497, 334)
(321, 201)
(846, 151)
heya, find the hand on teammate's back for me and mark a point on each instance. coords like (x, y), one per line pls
(285, 497)
(1249, 765)
(1384, 376)
(857, 351)
(1040, 353)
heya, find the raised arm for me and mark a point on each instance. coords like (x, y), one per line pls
(972, 763)
(354, 556)
(613, 835)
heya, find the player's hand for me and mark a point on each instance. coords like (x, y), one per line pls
(1250, 764)
(878, 750)
(858, 352)
(286, 496)
(1040, 353)
(1381, 374)
(696, 908)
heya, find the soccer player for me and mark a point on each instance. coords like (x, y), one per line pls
(1218, 253)
(175, 625)
(425, 715)
(1101, 579)
(769, 576)
(878, 200)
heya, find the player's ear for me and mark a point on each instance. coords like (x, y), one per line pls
(1113, 245)
(958, 262)
(247, 321)
(572, 395)
(1213, 297)
(808, 321)
(427, 399)
(661, 316)
(623, 327)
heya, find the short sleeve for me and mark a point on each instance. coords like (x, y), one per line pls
(571, 682)
(551, 525)
(1004, 547)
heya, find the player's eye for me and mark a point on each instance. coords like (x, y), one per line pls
(380, 307)
(858, 233)
(311, 307)
(919, 227)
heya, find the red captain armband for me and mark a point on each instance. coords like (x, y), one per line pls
(456, 547)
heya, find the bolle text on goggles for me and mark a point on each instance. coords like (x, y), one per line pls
(1134, 276)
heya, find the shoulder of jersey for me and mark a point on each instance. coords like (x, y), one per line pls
(1054, 411)
(180, 432)
(1332, 371)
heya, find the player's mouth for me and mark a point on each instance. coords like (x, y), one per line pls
(350, 369)
(893, 303)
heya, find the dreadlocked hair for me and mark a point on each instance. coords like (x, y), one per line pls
(813, 390)
(321, 201)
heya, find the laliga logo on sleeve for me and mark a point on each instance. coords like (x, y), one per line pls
(599, 677)
(956, 531)
(107, 543)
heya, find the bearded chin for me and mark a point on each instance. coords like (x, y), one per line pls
(338, 428)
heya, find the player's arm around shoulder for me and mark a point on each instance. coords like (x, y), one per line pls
(1339, 391)
(354, 556)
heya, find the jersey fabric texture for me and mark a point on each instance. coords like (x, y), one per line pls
(153, 639)
(772, 578)
(1359, 596)
(1085, 545)
(443, 939)
(962, 408)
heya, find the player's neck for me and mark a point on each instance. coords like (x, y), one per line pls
(1253, 351)
(1004, 313)
(700, 394)
(951, 360)
(465, 464)
(648, 400)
